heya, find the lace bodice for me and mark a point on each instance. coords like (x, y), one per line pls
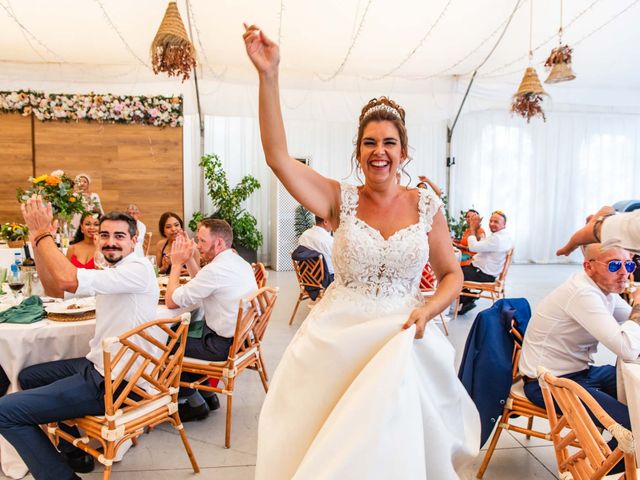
(367, 263)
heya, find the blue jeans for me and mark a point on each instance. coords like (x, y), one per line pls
(52, 391)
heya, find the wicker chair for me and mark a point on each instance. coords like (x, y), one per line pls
(490, 290)
(310, 274)
(260, 273)
(245, 352)
(125, 419)
(517, 405)
(593, 459)
(147, 242)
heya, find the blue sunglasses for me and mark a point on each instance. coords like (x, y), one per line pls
(615, 265)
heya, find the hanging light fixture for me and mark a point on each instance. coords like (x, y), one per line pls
(527, 101)
(171, 50)
(559, 61)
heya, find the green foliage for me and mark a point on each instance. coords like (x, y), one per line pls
(456, 226)
(228, 203)
(303, 220)
(14, 231)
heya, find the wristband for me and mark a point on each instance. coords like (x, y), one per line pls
(41, 237)
(599, 221)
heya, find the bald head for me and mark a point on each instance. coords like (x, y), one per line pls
(591, 251)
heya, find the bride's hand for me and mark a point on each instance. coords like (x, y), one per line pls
(264, 54)
(419, 316)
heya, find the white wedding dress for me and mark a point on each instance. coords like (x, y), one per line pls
(357, 397)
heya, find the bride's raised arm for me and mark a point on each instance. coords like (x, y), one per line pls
(315, 192)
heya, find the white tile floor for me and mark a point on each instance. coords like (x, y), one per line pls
(160, 455)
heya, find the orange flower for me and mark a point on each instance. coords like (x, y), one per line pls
(72, 199)
(52, 181)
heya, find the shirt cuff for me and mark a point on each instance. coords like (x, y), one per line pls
(615, 231)
(631, 331)
(85, 282)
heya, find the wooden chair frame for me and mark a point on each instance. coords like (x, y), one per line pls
(245, 352)
(309, 273)
(516, 405)
(260, 273)
(428, 285)
(594, 459)
(490, 290)
(146, 243)
(125, 419)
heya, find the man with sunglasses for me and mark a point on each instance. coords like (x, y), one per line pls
(585, 310)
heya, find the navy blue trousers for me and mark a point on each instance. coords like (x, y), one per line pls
(52, 391)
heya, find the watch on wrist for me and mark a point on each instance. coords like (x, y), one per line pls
(598, 223)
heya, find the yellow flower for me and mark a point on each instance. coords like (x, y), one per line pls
(40, 178)
(72, 199)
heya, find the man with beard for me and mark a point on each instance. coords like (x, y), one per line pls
(218, 286)
(126, 296)
(585, 310)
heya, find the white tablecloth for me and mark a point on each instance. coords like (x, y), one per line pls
(24, 345)
(631, 382)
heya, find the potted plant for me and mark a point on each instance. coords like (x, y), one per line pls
(14, 233)
(456, 226)
(228, 203)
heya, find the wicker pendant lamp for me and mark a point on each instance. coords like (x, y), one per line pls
(527, 101)
(559, 61)
(171, 50)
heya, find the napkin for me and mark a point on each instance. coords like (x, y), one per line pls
(29, 311)
(196, 329)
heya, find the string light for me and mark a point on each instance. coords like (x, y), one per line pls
(113, 26)
(353, 43)
(280, 14)
(207, 63)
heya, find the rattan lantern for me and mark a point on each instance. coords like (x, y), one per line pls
(171, 50)
(527, 101)
(559, 62)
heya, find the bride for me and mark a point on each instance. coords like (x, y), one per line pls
(367, 387)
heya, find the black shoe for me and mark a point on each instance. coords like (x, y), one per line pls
(466, 307)
(189, 414)
(212, 402)
(83, 463)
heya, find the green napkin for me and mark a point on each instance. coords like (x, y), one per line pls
(196, 329)
(29, 311)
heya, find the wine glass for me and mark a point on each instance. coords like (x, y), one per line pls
(152, 261)
(16, 282)
(99, 261)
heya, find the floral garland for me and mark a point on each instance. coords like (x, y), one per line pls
(158, 111)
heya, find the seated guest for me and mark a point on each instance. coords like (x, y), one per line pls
(126, 297)
(426, 182)
(83, 246)
(463, 244)
(319, 238)
(170, 227)
(488, 262)
(90, 200)
(134, 212)
(585, 310)
(218, 286)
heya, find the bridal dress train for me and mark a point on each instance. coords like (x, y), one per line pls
(357, 397)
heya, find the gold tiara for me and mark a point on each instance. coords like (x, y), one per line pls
(381, 107)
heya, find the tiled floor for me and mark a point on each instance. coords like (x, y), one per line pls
(160, 455)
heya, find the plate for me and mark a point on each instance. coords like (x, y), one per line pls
(83, 305)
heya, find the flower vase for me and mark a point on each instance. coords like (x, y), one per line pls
(15, 243)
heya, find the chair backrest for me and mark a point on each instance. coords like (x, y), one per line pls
(260, 273)
(594, 459)
(265, 299)
(244, 337)
(505, 268)
(517, 351)
(428, 281)
(310, 272)
(160, 368)
(147, 242)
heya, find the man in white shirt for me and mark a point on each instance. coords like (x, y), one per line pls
(491, 253)
(319, 238)
(567, 326)
(126, 296)
(218, 286)
(134, 212)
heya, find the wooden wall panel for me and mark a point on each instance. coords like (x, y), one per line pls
(127, 164)
(15, 163)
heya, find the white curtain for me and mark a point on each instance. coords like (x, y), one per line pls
(546, 177)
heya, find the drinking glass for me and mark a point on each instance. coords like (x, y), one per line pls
(3, 277)
(152, 260)
(99, 261)
(16, 284)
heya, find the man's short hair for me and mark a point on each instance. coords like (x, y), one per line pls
(219, 228)
(319, 220)
(473, 211)
(121, 217)
(501, 213)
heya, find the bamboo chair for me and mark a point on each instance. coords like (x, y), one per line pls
(517, 405)
(428, 285)
(245, 352)
(310, 274)
(125, 418)
(489, 290)
(146, 243)
(260, 273)
(593, 459)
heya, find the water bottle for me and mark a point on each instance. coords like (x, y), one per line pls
(17, 260)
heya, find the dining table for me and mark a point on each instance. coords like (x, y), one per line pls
(23, 345)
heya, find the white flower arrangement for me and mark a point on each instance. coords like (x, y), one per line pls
(158, 111)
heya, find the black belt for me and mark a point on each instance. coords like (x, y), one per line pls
(526, 379)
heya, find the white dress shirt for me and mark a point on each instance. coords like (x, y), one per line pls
(491, 251)
(142, 230)
(219, 286)
(564, 332)
(622, 230)
(126, 296)
(318, 239)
